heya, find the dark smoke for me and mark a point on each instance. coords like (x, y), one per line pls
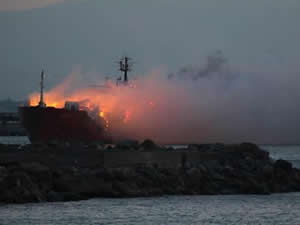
(215, 65)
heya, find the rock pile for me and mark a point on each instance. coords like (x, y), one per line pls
(235, 169)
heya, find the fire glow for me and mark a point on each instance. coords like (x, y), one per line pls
(206, 103)
(153, 107)
(115, 104)
(88, 99)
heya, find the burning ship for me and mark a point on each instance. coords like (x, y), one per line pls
(72, 123)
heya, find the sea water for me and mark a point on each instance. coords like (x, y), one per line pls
(283, 209)
(273, 209)
(18, 140)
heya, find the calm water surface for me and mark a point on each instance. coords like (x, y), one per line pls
(276, 209)
(227, 210)
(19, 140)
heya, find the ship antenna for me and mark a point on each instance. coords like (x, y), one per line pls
(124, 67)
(41, 103)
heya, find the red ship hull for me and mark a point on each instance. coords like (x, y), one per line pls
(47, 124)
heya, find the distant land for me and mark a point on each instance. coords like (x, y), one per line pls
(9, 105)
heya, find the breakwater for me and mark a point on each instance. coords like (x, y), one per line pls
(62, 172)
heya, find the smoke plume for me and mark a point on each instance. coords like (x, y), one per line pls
(214, 102)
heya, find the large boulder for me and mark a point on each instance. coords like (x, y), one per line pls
(268, 171)
(194, 177)
(127, 189)
(254, 151)
(35, 168)
(3, 173)
(206, 147)
(20, 188)
(41, 174)
(127, 144)
(149, 145)
(283, 165)
(53, 196)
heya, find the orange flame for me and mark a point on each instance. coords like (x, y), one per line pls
(101, 114)
(107, 102)
(121, 107)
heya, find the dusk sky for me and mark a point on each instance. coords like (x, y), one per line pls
(62, 35)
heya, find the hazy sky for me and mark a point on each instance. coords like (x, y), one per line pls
(59, 35)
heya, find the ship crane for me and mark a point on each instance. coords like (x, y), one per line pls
(42, 104)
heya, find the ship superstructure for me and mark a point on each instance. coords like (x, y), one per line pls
(70, 123)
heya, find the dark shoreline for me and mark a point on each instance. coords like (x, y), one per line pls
(64, 172)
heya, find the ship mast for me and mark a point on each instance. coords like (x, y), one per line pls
(125, 67)
(41, 103)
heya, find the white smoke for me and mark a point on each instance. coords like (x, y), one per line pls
(217, 103)
(214, 102)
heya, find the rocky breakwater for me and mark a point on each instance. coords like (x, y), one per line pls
(37, 173)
